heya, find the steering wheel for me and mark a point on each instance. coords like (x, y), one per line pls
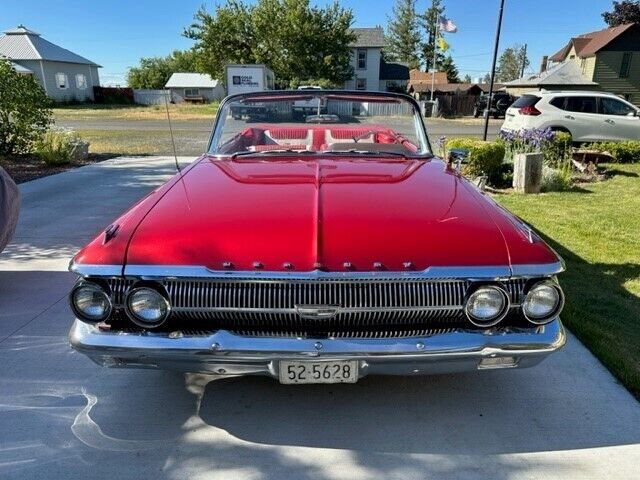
(357, 138)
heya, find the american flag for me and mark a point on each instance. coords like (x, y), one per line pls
(447, 25)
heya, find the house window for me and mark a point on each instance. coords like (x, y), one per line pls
(191, 92)
(625, 68)
(583, 65)
(62, 81)
(361, 83)
(81, 81)
(362, 59)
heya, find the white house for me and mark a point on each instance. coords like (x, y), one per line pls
(365, 59)
(193, 87)
(371, 72)
(63, 75)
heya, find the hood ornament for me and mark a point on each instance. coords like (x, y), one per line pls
(317, 312)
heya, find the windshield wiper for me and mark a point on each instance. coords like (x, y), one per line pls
(363, 152)
(267, 152)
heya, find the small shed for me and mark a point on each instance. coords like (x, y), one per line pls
(194, 87)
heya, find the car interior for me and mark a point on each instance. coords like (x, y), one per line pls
(268, 137)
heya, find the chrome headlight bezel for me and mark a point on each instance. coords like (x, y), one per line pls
(541, 320)
(95, 288)
(163, 302)
(494, 320)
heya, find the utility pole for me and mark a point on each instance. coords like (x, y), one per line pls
(493, 70)
(524, 60)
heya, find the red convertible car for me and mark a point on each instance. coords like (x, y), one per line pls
(317, 249)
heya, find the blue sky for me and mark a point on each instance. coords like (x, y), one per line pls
(116, 34)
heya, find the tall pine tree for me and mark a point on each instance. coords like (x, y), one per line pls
(403, 34)
(429, 23)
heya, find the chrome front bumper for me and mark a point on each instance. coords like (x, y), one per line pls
(227, 354)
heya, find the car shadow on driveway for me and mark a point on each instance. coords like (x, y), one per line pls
(548, 408)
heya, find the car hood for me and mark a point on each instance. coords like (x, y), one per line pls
(325, 213)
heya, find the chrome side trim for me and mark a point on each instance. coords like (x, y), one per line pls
(87, 270)
(538, 270)
(182, 271)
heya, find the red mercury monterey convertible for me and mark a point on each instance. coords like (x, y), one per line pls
(317, 248)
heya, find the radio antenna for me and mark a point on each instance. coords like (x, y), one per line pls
(173, 142)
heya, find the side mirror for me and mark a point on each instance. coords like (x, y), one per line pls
(456, 158)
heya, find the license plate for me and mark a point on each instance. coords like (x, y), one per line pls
(318, 372)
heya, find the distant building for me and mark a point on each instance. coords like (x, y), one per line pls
(394, 76)
(194, 87)
(606, 60)
(63, 75)
(370, 71)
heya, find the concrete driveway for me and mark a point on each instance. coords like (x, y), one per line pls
(62, 417)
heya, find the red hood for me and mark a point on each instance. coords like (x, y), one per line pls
(328, 212)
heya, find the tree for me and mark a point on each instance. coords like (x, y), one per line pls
(450, 68)
(511, 62)
(625, 11)
(403, 34)
(486, 78)
(154, 72)
(429, 23)
(295, 40)
(467, 79)
(25, 112)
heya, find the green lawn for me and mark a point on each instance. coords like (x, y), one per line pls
(596, 229)
(179, 111)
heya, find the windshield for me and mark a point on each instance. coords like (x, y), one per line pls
(321, 122)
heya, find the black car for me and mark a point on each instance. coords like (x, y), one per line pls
(499, 104)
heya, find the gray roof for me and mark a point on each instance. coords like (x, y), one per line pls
(19, 68)
(23, 44)
(368, 37)
(394, 70)
(191, 80)
(566, 73)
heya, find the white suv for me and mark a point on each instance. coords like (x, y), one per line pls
(587, 116)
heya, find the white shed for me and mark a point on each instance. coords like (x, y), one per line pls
(194, 87)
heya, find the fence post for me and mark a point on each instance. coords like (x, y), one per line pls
(527, 172)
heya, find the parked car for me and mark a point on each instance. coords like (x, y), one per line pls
(9, 208)
(309, 106)
(318, 252)
(500, 101)
(587, 116)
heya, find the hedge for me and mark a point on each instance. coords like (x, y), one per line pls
(485, 158)
(623, 152)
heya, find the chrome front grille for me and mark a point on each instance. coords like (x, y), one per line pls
(274, 304)
(367, 308)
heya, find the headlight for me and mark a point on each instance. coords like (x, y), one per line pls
(90, 302)
(147, 307)
(543, 302)
(487, 305)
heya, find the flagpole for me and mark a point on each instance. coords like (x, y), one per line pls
(435, 57)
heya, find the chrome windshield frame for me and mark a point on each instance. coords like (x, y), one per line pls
(420, 126)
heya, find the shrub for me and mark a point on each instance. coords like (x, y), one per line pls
(558, 149)
(554, 146)
(485, 158)
(555, 179)
(623, 152)
(56, 146)
(24, 111)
